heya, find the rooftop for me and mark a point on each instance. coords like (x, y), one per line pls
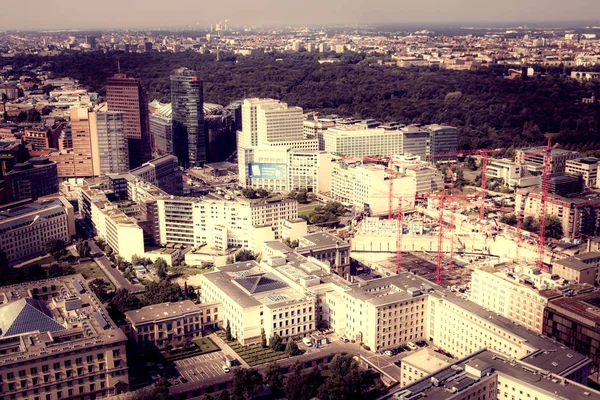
(15, 210)
(158, 312)
(427, 360)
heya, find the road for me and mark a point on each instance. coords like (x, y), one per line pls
(113, 274)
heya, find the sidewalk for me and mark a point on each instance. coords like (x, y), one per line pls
(226, 349)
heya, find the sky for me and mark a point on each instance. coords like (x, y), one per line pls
(107, 14)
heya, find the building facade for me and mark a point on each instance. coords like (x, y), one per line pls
(189, 136)
(113, 150)
(126, 95)
(32, 179)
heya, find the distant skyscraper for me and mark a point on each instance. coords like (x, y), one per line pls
(126, 95)
(189, 136)
(91, 41)
(112, 144)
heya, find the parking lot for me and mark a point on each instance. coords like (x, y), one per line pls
(201, 367)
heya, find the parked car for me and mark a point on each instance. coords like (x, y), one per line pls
(307, 341)
(412, 346)
(225, 369)
(389, 353)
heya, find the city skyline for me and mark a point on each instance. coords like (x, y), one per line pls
(137, 14)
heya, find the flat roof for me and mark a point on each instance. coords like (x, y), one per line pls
(428, 360)
(7, 211)
(162, 311)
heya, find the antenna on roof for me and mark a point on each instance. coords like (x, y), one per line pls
(118, 65)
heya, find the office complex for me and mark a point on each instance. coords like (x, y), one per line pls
(248, 136)
(189, 136)
(38, 139)
(59, 343)
(80, 162)
(32, 179)
(442, 139)
(126, 95)
(162, 172)
(558, 157)
(175, 324)
(586, 168)
(580, 268)
(112, 147)
(359, 141)
(25, 227)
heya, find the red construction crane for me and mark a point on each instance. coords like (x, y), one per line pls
(484, 160)
(545, 182)
(452, 218)
(399, 238)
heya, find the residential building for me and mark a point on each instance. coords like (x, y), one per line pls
(573, 321)
(442, 140)
(126, 95)
(74, 350)
(518, 293)
(25, 227)
(161, 127)
(577, 215)
(488, 375)
(580, 268)
(535, 155)
(189, 135)
(587, 168)
(113, 153)
(253, 299)
(175, 324)
(37, 177)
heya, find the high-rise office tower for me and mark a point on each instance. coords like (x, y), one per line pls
(189, 135)
(126, 95)
(112, 144)
(84, 136)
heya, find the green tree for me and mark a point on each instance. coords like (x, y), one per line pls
(245, 255)
(124, 301)
(161, 268)
(56, 248)
(294, 383)
(247, 382)
(249, 193)
(274, 378)
(471, 163)
(228, 335)
(163, 292)
(100, 288)
(159, 391)
(554, 228)
(530, 224)
(291, 349)
(83, 248)
(263, 338)
(291, 243)
(302, 197)
(262, 193)
(57, 270)
(224, 395)
(346, 380)
(509, 219)
(207, 396)
(108, 250)
(275, 342)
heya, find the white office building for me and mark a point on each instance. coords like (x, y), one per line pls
(359, 141)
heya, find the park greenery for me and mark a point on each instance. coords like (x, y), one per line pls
(531, 224)
(326, 215)
(489, 110)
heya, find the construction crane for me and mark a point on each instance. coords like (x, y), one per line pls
(399, 238)
(452, 218)
(484, 161)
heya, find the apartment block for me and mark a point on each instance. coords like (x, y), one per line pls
(581, 268)
(25, 227)
(85, 138)
(73, 349)
(175, 324)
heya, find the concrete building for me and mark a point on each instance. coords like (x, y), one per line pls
(175, 324)
(279, 169)
(328, 249)
(558, 157)
(488, 375)
(314, 126)
(113, 153)
(564, 184)
(581, 268)
(421, 363)
(38, 139)
(277, 122)
(25, 227)
(253, 299)
(248, 136)
(367, 187)
(32, 179)
(587, 168)
(127, 95)
(73, 348)
(189, 135)
(573, 321)
(85, 138)
(162, 172)
(518, 293)
(223, 224)
(161, 127)
(359, 141)
(442, 139)
(577, 215)
(414, 141)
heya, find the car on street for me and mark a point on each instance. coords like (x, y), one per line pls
(225, 369)
(412, 346)
(307, 341)
(389, 353)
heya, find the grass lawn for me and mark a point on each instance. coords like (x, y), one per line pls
(206, 345)
(89, 270)
(307, 209)
(254, 354)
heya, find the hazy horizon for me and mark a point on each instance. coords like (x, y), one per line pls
(133, 14)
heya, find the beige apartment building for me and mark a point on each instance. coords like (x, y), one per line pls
(581, 268)
(172, 324)
(57, 342)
